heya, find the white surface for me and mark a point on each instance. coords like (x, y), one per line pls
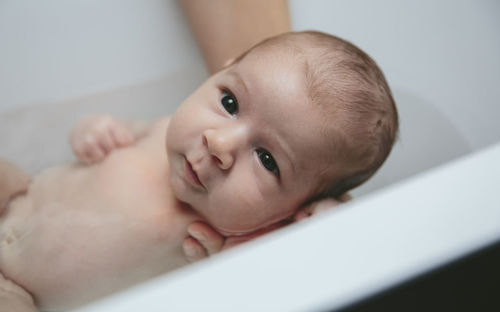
(54, 50)
(349, 253)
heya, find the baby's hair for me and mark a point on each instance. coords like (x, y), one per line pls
(359, 111)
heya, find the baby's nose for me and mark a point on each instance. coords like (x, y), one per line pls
(222, 144)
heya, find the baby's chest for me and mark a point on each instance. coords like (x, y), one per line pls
(93, 208)
(132, 182)
(97, 221)
(126, 192)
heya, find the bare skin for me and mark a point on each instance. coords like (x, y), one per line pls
(204, 241)
(13, 181)
(226, 28)
(82, 236)
(231, 152)
(14, 298)
(85, 225)
(91, 140)
(207, 21)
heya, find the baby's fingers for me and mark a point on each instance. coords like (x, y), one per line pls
(89, 150)
(121, 136)
(94, 153)
(106, 142)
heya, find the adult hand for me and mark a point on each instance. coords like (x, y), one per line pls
(320, 206)
(205, 241)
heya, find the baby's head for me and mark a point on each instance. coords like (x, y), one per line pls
(298, 117)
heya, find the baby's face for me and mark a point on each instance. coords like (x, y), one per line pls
(247, 148)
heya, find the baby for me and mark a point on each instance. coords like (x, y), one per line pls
(298, 117)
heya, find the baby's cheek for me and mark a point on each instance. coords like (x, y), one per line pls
(241, 210)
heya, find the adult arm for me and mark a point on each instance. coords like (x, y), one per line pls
(226, 28)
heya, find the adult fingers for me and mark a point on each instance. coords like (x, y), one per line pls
(315, 208)
(210, 239)
(345, 197)
(193, 250)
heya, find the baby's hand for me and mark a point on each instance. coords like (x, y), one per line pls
(96, 136)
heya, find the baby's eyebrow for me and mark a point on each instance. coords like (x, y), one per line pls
(285, 150)
(239, 80)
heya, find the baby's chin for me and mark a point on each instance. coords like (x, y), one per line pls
(225, 227)
(235, 230)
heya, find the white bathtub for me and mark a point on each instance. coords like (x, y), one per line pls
(347, 255)
(136, 59)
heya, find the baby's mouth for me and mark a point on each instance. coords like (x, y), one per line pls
(192, 176)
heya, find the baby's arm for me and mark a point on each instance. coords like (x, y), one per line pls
(96, 136)
(205, 241)
(13, 181)
(14, 298)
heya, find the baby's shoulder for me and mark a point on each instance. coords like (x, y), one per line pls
(158, 129)
(162, 122)
(158, 126)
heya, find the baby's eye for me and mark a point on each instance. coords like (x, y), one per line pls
(228, 100)
(268, 162)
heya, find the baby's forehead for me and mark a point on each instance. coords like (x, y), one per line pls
(274, 74)
(278, 81)
(294, 55)
(314, 144)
